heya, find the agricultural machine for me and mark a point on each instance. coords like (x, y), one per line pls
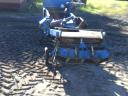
(68, 41)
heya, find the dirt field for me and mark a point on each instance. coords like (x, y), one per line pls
(22, 72)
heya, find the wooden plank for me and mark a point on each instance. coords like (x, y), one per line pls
(83, 34)
(12, 1)
(11, 4)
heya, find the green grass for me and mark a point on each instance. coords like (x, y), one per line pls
(106, 7)
(39, 3)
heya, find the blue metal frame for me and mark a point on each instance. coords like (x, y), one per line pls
(68, 22)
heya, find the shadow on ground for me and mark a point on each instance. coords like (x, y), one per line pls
(110, 24)
(91, 80)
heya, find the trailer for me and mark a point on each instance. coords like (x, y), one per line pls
(12, 4)
(70, 42)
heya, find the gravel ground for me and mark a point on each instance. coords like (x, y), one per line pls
(22, 72)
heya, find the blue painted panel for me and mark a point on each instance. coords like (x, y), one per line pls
(70, 53)
(54, 3)
(103, 54)
(83, 54)
(64, 52)
(55, 33)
